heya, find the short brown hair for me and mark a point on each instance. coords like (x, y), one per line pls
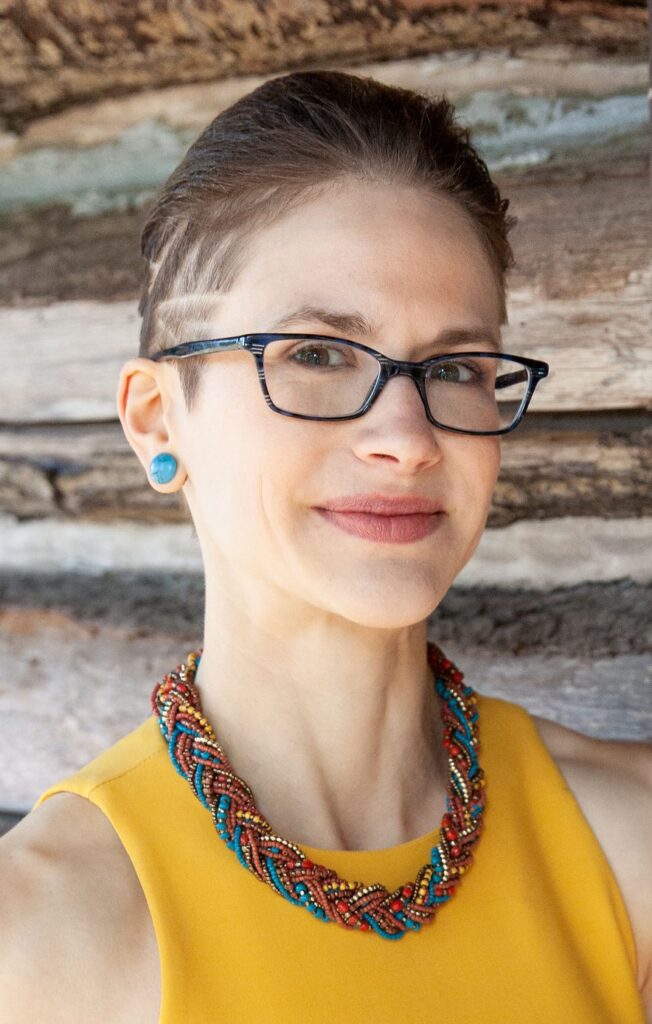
(285, 142)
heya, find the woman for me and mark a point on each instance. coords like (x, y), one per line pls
(316, 781)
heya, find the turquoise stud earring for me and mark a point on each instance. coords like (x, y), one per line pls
(163, 468)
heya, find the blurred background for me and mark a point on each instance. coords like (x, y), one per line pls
(101, 589)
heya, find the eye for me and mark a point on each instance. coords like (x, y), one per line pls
(319, 353)
(457, 371)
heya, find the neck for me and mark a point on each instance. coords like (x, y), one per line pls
(335, 728)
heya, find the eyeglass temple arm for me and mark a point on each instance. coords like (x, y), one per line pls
(191, 348)
(506, 379)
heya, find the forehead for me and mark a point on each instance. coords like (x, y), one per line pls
(373, 245)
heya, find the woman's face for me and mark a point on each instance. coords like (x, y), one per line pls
(413, 267)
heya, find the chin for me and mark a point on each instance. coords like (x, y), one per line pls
(384, 599)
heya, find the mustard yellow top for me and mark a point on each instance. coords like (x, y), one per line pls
(537, 931)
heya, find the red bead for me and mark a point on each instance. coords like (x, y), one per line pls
(450, 834)
(455, 850)
(454, 749)
(456, 676)
(353, 919)
(407, 891)
(396, 905)
(307, 864)
(445, 663)
(342, 906)
(364, 927)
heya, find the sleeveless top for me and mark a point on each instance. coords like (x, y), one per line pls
(537, 931)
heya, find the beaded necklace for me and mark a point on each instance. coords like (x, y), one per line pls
(197, 756)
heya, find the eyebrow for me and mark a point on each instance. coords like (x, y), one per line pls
(356, 323)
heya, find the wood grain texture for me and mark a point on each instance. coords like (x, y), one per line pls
(541, 69)
(56, 54)
(580, 297)
(583, 232)
(578, 655)
(595, 345)
(550, 468)
(532, 553)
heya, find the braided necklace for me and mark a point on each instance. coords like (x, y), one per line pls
(197, 756)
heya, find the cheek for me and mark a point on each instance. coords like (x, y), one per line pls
(490, 458)
(487, 465)
(477, 465)
(255, 464)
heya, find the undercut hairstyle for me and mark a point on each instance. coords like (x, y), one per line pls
(288, 141)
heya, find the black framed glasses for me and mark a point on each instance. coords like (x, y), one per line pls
(317, 377)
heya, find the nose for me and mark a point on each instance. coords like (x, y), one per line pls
(406, 371)
(399, 433)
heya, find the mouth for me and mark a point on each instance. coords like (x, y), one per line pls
(403, 528)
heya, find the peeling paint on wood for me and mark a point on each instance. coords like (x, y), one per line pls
(509, 130)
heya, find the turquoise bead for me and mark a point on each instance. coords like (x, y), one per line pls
(163, 468)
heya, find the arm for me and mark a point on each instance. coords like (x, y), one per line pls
(69, 948)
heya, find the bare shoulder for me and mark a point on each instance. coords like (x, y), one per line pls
(73, 936)
(612, 783)
(569, 744)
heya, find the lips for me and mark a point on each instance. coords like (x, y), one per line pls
(404, 527)
(383, 505)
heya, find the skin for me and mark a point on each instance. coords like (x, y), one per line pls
(313, 673)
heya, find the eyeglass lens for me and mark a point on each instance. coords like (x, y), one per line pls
(329, 379)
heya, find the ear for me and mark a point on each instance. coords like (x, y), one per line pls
(142, 398)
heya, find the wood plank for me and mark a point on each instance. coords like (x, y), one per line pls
(583, 226)
(579, 656)
(550, 468)
(535, 554)
(535, 69)
(55, 55)
(580, 296)
(580, 230)
(589, 620)
(65, 359)
(595, 345)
